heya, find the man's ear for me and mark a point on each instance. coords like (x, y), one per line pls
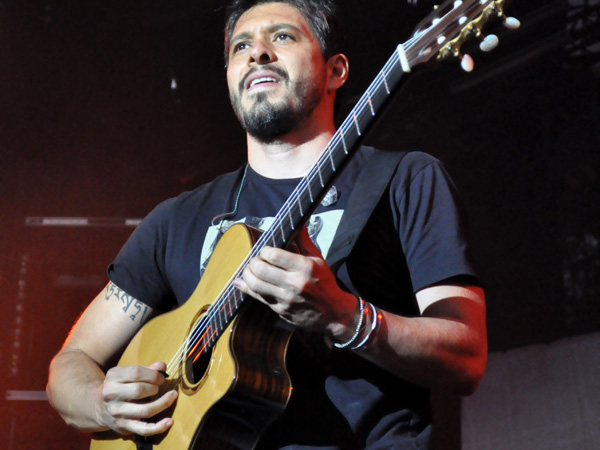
(338, 68)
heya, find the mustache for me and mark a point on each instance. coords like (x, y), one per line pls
(271, 68)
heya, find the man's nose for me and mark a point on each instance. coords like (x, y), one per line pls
(262, 53)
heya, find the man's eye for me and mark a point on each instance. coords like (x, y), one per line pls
(283, 37)
(240, 46)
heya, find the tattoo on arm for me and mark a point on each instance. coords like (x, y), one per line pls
(134, 306)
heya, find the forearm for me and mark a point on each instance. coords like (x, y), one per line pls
(446, 346)
(73, 389)
(428, 351)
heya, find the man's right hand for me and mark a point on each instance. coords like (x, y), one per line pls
(125, 400)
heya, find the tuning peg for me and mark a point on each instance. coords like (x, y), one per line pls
(466, 63)
(512, 23)
(488, 43)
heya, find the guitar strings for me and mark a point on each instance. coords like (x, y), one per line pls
(224, 297)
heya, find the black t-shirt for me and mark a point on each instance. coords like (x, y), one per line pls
(415, 238)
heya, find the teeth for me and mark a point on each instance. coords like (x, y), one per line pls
(263, 80)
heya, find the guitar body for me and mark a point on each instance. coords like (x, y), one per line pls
(236, 390)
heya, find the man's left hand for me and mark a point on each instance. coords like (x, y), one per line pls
(300, 288)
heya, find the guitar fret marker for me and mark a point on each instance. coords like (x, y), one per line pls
(356, 124)
(403, 59)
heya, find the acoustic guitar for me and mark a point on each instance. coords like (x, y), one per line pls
(227, 355)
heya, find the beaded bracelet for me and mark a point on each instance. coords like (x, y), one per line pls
(361, 310)
(374, 325)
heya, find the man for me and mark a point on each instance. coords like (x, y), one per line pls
(419, 324)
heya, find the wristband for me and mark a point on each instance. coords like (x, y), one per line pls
(374, 325)
(361, 310)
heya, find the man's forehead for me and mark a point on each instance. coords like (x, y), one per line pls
(271, 15)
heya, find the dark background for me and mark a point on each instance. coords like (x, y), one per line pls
(108, 107)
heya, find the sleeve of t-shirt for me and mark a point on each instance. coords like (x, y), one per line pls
(139, 267)
(431, 221)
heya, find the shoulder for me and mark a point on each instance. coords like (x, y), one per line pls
(415, 163)
(407, 159)
(180, 212)
(208, 193)
(219, 187)
(409, 165)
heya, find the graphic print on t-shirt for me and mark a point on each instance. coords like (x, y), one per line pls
(321, 229)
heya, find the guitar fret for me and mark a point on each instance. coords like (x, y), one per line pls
(312, 200)
(343, 141)
(231, 300)
(320, 176)
(228, 306)
(282, 233)
(206, 338)
(356, 124)
(330, 153)
(300, 208)
(371, 106)
(387, 88)
(290, 216)
(232, 304)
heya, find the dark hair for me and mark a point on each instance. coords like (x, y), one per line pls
(321, 16)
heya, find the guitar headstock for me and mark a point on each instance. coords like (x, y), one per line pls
(440, 35)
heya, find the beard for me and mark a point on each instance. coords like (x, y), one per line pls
(269, 121)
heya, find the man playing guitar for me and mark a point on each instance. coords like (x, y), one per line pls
(405, 312)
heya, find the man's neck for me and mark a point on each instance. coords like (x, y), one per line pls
(291, 157)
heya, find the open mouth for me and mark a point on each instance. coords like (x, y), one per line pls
(262, 80)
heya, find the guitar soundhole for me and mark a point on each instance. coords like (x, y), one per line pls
(199, 356)
(196, 367)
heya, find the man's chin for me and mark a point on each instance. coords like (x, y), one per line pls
(259, 99)
(270, 129)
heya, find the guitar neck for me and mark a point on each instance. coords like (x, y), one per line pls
(312, 188)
